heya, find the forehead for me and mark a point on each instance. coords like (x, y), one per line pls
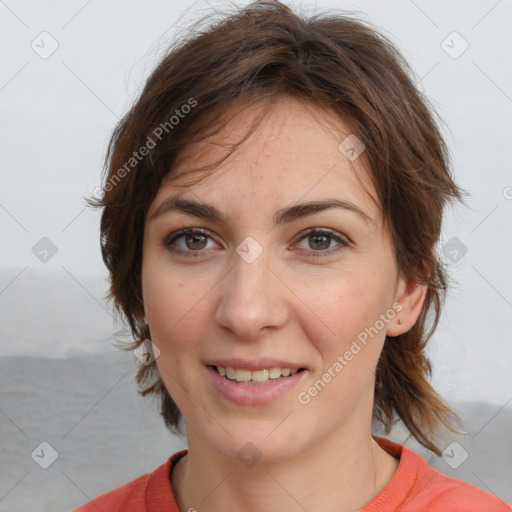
(293, 154)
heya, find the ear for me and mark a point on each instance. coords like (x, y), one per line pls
(411, 296)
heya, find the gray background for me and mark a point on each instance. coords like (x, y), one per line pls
(63, 381)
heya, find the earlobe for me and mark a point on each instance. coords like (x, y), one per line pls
(411, 297)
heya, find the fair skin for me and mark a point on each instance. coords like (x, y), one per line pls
(287, 304)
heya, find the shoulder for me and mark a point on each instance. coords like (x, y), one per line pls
(145, 493)
(417, 487)
(458, 495)
(447, 494)
(434, 491)
(129, 497)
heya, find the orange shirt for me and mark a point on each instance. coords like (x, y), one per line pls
(415, 487)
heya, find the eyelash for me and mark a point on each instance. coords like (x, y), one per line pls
(200, 231)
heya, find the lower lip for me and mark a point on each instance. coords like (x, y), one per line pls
(253, 394)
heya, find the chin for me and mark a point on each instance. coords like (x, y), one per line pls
(252, 443)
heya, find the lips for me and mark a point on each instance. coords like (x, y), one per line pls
(253, 393)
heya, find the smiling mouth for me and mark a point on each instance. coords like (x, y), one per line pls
(263, 376)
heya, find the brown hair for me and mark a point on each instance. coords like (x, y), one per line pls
(336, 62)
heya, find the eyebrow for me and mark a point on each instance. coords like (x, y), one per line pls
(289, 214)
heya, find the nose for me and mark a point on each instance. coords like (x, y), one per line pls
(252, 299)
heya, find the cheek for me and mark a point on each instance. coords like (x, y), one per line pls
(346, 306)
(347, 359)
(176, 315)
(174, 309)
(350, 308)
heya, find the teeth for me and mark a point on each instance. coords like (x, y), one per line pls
(274, 373)
(258, 375)
(241, 375)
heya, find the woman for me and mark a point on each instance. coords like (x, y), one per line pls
(270, 219)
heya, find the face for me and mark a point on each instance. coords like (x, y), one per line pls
(261, 282)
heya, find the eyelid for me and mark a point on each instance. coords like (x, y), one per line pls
(323, 231)
(186, 231)
(342, 240)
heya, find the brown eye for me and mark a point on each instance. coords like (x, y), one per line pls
(195, 242)
(189, 241)
(319, 242)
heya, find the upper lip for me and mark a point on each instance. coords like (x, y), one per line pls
(254, 364)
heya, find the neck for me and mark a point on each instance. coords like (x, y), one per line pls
(341, 473)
